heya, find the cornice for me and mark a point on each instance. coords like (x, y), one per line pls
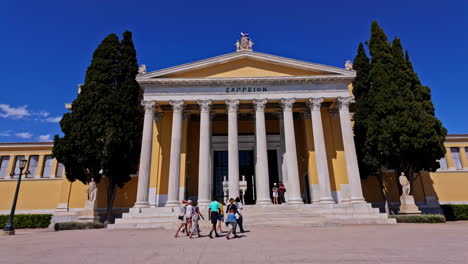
(248, 80)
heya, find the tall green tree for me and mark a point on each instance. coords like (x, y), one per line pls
(402, 130)
(102, 131)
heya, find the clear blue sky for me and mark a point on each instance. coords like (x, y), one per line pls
(46, 46)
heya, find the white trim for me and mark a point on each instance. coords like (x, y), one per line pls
(273, 59)
(453, 202)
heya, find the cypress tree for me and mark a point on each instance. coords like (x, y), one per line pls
(102, 133)
(402, 131)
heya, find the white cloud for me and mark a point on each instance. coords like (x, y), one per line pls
(6, 133)
(24, 135)
(45, 138)
(6, 111)
(53, 119)
(43, 113)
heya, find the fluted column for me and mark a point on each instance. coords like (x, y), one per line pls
(320, 151)
(204, 155)
(145, 156)
(233, 148)
(263, 183)
(174, 163)
(293, 185)
(350, 151)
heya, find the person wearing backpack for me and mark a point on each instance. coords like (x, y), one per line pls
(182, 217)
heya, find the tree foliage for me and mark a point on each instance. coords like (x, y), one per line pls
(102, 133)
(395, 124)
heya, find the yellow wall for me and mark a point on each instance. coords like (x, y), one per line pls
(244, 68)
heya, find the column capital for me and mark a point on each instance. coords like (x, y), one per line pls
(177, 106)
(232, 105)
(148, 105)
(287, 103)
(259, 104)
(343, 102)
(205, 105)
(315, 103)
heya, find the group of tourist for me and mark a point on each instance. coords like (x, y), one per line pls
(278, 191)
(190, 214)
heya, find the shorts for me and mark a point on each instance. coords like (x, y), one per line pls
(275, 194)
(214, 218)
(220, 217)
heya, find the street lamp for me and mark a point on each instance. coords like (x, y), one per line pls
(9, 229)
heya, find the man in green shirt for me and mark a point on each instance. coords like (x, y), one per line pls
(213, 212)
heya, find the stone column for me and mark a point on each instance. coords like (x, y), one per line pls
(320, 151)
(145, 156)
(350, 151)
(174, 163)
(233, 148)
(293, 186)
(204, 155)
(40, 167)
(263, 183)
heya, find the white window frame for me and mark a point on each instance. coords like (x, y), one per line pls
(4, 163)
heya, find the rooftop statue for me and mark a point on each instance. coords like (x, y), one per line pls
(244, 43)
(142, 69)
(348, 65)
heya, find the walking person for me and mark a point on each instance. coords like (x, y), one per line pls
(196, 214)
(231, 222)
(274, 191)
(188, 216)
(182, 217)
(220, 216)
(281, 191)
(213, 212)
(240, 219)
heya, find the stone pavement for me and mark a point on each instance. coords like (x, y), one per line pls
(401, 243)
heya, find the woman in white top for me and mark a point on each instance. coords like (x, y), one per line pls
(239, 218)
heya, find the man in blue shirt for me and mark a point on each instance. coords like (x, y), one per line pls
(213, 211)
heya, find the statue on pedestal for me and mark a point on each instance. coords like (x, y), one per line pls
(405, 184)
(92, 190)
(244, 43)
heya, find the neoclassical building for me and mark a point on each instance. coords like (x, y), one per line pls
(243, 119)
(253, 116)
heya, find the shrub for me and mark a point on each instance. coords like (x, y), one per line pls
(27, 220)
(77, 225)
(428, 218)
(454, 212)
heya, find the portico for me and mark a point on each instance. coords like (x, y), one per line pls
(275, 103)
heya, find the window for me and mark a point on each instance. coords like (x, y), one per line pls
(33, 161)
(60, 169)
(4, 161)
(47, 167)
(443, 164)
(456, 158)
(17, 169)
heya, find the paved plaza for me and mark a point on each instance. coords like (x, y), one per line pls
(401, 243)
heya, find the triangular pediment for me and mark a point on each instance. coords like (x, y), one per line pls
(246, 64)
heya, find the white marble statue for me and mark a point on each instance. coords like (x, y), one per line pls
(142, 69)
(405, 184)
(245, 43)
(348, 65)
(92, 190)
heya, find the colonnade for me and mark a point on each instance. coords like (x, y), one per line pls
(262, 175)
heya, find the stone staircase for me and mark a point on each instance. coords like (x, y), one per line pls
(268, 215)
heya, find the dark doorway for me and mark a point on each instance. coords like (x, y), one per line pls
(220, 169)
(247, 169)
(272, 169)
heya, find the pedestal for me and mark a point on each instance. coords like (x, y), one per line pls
(408, 206)
(89, 213)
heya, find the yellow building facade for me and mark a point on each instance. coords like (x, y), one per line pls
(232, 126)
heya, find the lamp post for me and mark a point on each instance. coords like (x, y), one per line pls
(9, 229)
